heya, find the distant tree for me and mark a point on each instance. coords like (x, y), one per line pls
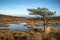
(44, 12)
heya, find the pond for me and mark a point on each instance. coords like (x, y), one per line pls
(22, 27)
(17, 27)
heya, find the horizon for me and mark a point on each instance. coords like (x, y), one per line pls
(19, 7)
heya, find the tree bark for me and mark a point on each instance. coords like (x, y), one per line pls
(44, 24)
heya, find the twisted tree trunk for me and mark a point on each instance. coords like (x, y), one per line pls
(44, 23)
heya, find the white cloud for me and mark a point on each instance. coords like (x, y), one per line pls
(14, 12)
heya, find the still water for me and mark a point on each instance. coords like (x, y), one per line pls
(22, 27)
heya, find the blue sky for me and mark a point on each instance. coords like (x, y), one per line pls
(19, 7)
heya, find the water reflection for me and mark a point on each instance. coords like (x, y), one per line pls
(24, 28)
(17, 27)
(38, 26)
(23, 23)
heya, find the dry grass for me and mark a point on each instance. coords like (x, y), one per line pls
(53, 34)
(6, 20)
(12, 34)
